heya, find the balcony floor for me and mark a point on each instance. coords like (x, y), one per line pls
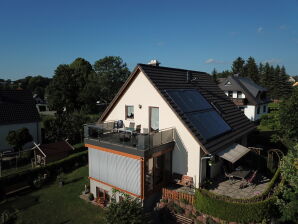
(223, 186)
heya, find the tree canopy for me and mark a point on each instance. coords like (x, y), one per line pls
(18, 138)
(79, 85)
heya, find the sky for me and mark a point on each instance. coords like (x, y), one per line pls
(38, 35)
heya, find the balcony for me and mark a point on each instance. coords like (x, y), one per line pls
(128, 140)
(239, 102)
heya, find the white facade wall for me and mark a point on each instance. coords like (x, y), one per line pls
(116, 170)
(251, 111)
(186, 154)
(242, 96)
(34, 129)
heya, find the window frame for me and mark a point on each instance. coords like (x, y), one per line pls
(126, 112)
(239, 95)
(229, 93)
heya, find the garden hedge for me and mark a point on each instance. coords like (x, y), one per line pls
(235, 211)
(253, 209)
(66, 164)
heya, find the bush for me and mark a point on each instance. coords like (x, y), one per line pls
(91, 197)
(126, 211)
(234, 211)
(66, 164)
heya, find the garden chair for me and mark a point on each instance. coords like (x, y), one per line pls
(229, 176)
(249, 181)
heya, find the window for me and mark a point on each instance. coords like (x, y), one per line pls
(258, 110)
(129, 112)
(230, 94)
(264, 109)
(239, 94)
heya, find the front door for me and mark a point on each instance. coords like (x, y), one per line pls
(153, 118)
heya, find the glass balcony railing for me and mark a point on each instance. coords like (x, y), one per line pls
(130, 137)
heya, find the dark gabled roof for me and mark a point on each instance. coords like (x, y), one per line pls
(245, 85)
(17, 106)
(164, 78)
(56, 148)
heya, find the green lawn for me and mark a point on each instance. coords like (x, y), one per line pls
(54, 204)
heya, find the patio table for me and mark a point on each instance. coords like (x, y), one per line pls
(242, 174)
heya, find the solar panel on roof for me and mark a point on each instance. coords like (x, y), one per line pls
(189, 100)
(199, 111)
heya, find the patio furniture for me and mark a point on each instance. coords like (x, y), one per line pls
(249, 181)
(229, 176)
(131, 125)
(240, 174)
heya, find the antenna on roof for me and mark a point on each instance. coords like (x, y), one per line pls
(154, 62)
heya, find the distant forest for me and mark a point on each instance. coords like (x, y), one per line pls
(274, 78)
(102, 80)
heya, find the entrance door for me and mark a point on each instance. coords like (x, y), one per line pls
(153, 118)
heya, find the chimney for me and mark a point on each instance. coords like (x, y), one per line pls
(154, 62)
(188, 76)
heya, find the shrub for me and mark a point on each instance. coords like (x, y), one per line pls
(234, 211)
(126, 211)
(91, 197)
(184, 201)
(66, 164)
(178, 209)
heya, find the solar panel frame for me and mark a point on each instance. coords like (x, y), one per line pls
(204, 117)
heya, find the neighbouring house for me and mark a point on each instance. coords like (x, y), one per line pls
(163, 122)
(17, 110)
(291, 79)
(247, 95)
(42, 106)
(51, 152)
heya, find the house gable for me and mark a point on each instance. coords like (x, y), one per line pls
(142, 95)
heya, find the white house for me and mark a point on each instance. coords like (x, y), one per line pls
(17, 110)
(174, 120)
(247, 95)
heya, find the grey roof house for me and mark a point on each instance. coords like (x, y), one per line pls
(18, 110)
(247, 95)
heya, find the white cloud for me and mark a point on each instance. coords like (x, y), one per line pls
(260, 29)
(283, 27)
(213, 61)
(272, 61)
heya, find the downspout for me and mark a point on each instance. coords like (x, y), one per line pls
(209, 156)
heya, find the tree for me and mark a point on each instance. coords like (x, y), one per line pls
(36, 84)
(238, 66)
(214, 76)
(251, 70)
(224, 74)
(112, 73)
(289, 117)
(126, 211)
(17, 139)
(63, 90)
(288, 197)
(66, 126)
(284, 84)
